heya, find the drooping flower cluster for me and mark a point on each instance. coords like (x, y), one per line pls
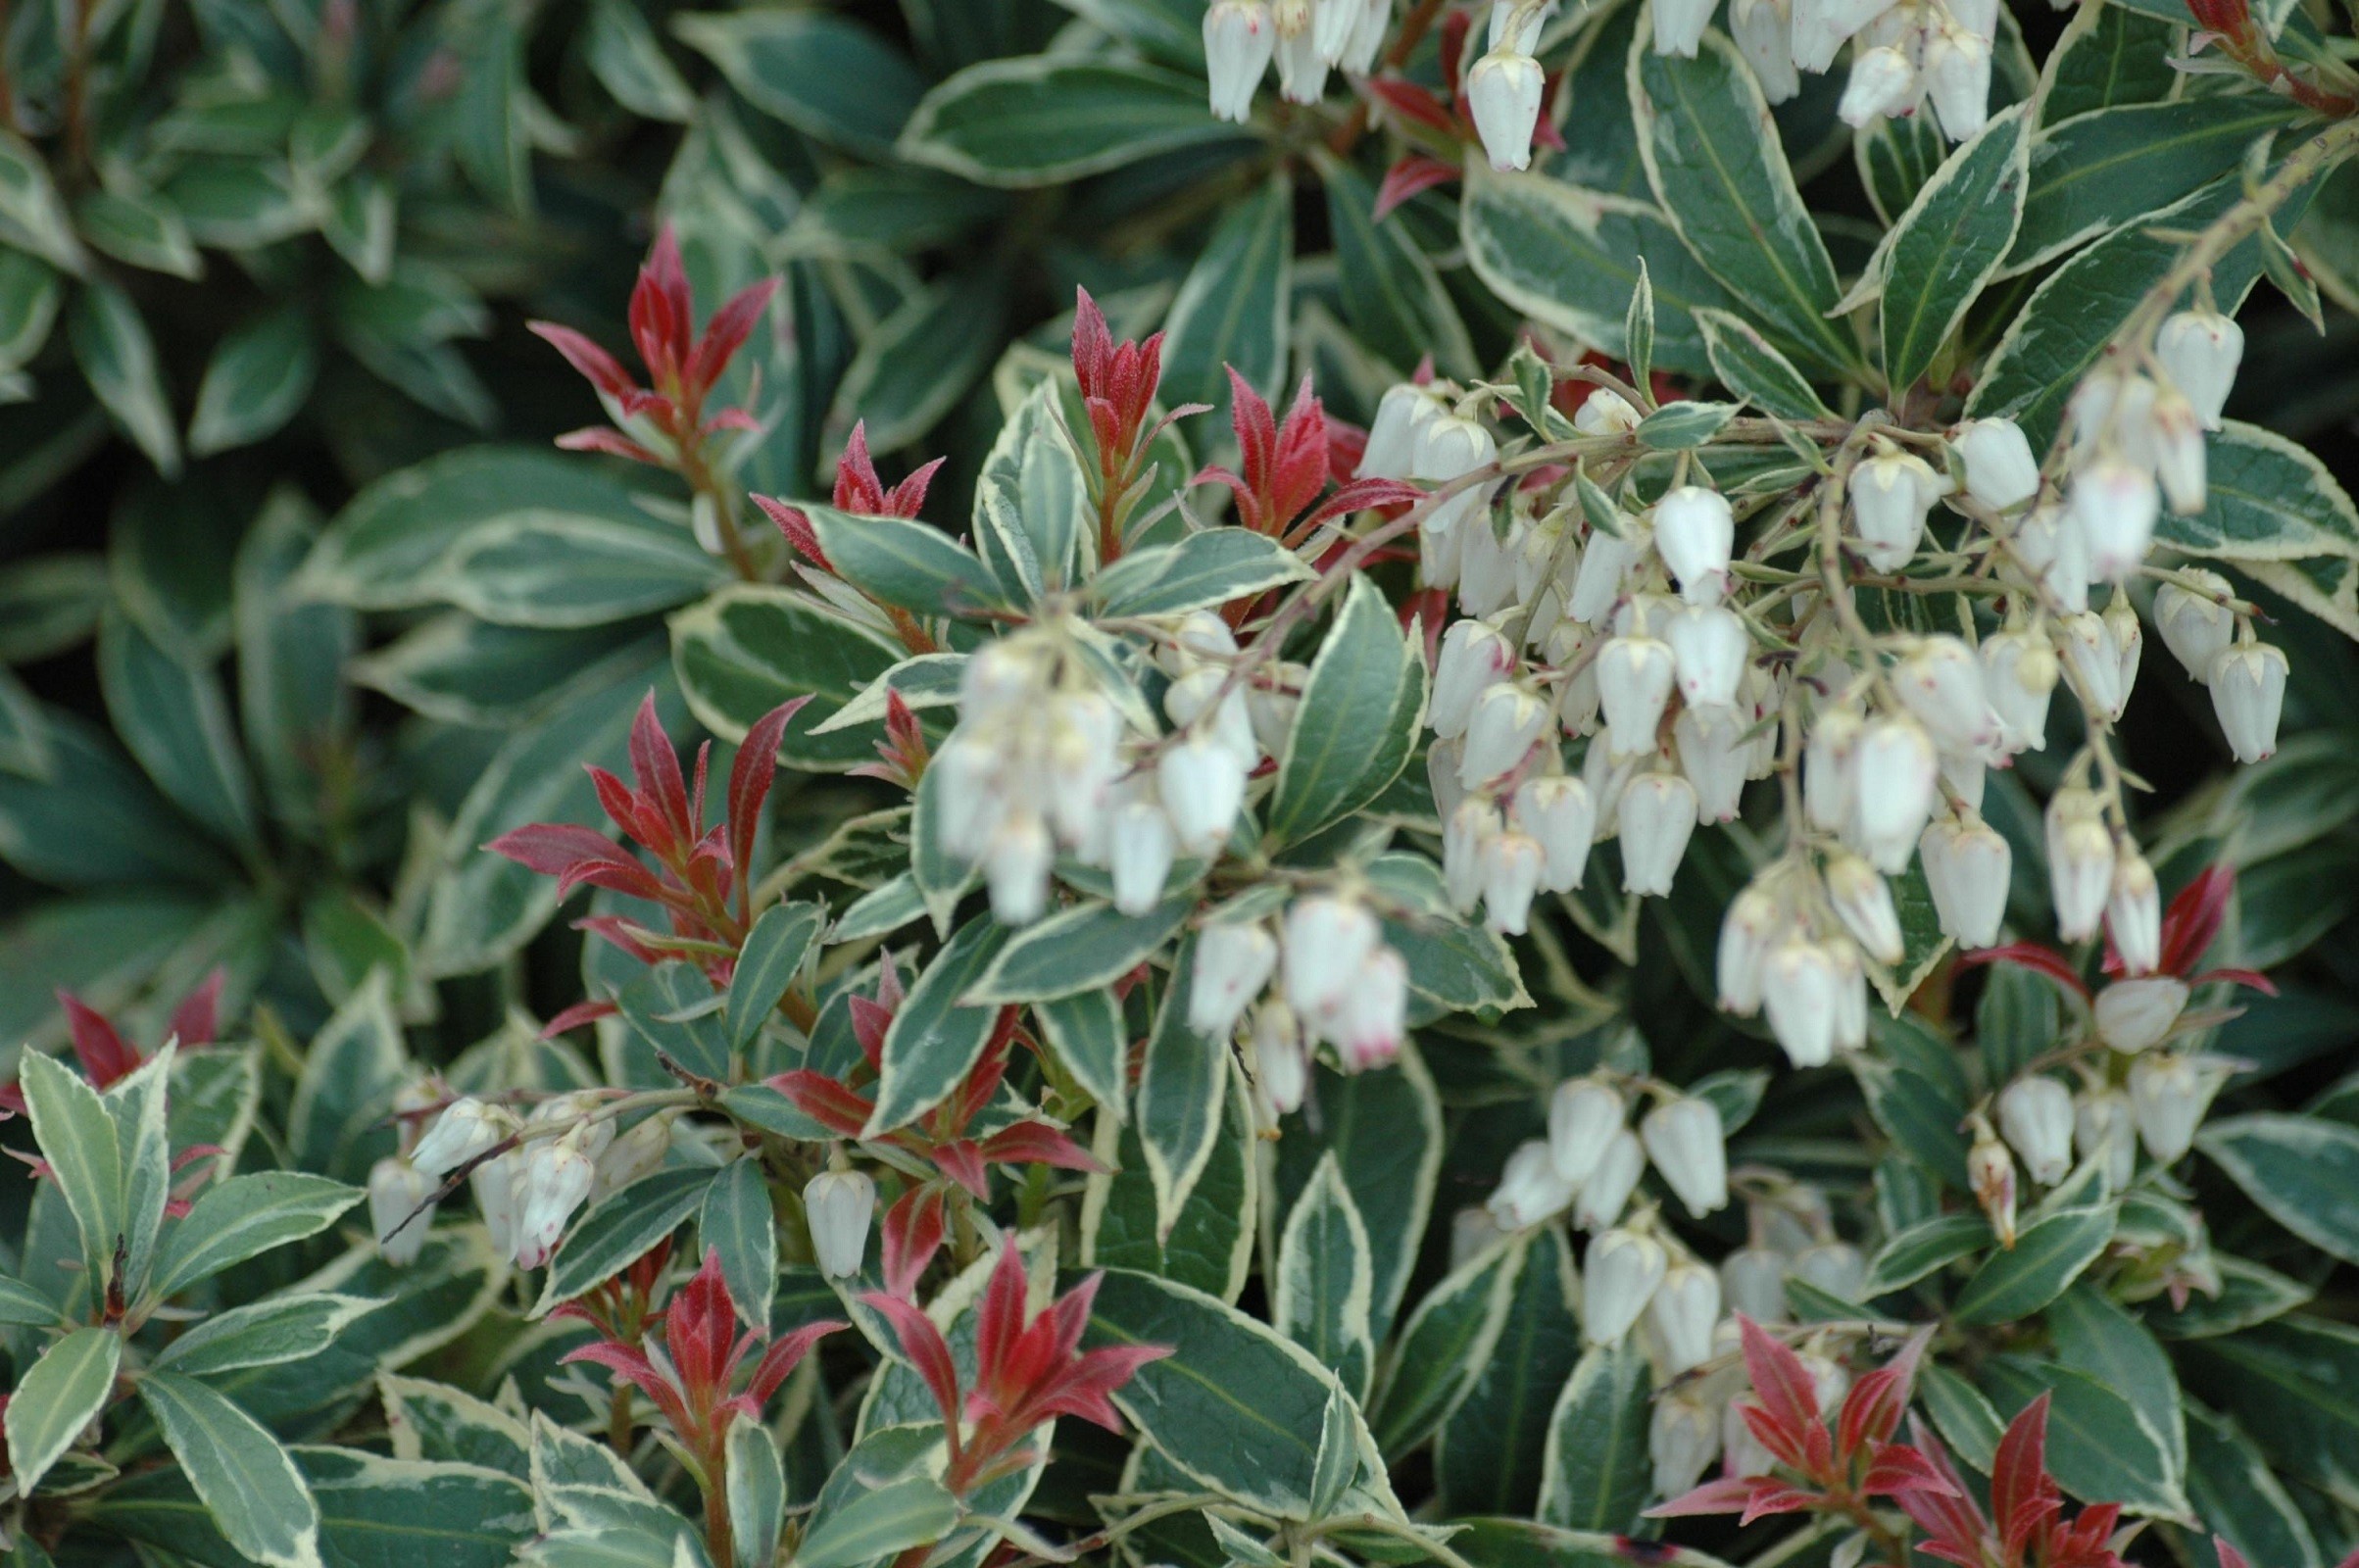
(1306, 39)
(529, 1175)
(1336, 981)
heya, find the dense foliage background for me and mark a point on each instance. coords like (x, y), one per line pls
(299, 609)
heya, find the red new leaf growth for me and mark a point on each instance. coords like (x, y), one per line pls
(858, 490)
(1029, 1370)
(1821, 1471)
(1118, 383)
(1441, 125)
(682, 366)
(2188, 926)
(2026, 1527)
(1286, 466)
(697, 874)
(106, 1057)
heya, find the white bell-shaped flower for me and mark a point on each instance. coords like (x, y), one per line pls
(1239, 40)
(1559, 813)
(2248, 694)
(2019, 677)
(1504, 89)
(1688, 1149)
(1529, 1190)
(1968, 870)
(2168, 1096)
(837, 1205)
(1753, 922)
(2199, 351)
(1798, 995)
(1234, 960)
(1606, 1189)
(1657, 816)
(2036, 1117)
(1883, 85)
(1620, 1276)
(2000, 472)
(1891, 493)
(2198, 627)
(1685, 1310)
(1634, 687)
(1683, 1435)
(1893, 780)
(397, 1190)
(2080, 859)
(1375, 1012)
(1709, 654)
(2134, 1016)
(1694, 531)
(1941, 683)
(1583, 1115)
(1863, 902)
(2134, 915)
(2115, 503)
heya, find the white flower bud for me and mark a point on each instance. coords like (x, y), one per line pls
(2093, 664)
(1851, 995)
(2115, 504)
(1474, 658)
(2080, 859)
(1583, 1115)
(1820, 28)
(1941, 684)
(2134, 915)
(2019, 675)
(1201, 780)
(1367, 38)
(1764, 37)
(1375, 1012)
(1883, 86)
(2196, 627)
(1752, 922)
(1512, 864)
(1529, 1190)
(1968, 868)
(2103, 1125)
(2135, 1014)
(1597, 581)
(1694, 531)
(1709, 652)
(1685, 1309)
(837, 1206)
(1798, 986)
(2000, 471)
(1557, 811)
(1957, 78)
(1682, 1436)
(1328, 938)
(1621, 1274)
(1605, 412)
(2168, 1096)
(1200, 700)
(556, 1177)
(1684, 1141)
(1301, 69)
(1526, 38)
(1472, 1231)
(1464, 837)
(1891, 493)
(1835, 1267)
(2053, 548)
(1402, 415)
(1608, 1188)
(1486, 568)
(1634, 686)
(1658, 818)
(2129, 640)
(633, 1155)
(1507, 720)
(1448, 448)
(395, 1190)
(460, 1133)
(1141, 848)
(1893, 780)
(1864, 904)
(2179, 455)
(1830, 758)
(1234, 960)
(1239, 39)
(1504, 89)
(2248, 694)
(1991, 1174)
(1753, 1279)
(1016, 868)
(494, 1186)
(2199, 351)
(1281, 1067)
(1714, 755)
(1332, 25)
(2036, 1114)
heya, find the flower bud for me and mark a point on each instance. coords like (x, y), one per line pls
(2199, 351)
(1526, 38)
(1941, 683)
(2036, 1114)
(1830, 758)
(1968, 868)
(2133, 1014)
(1957, 78)
(1301, 69)
(2103, 1126)
(2019, 675)
(1893, 784)
(1474, 657)
(1557, 811)
(2196, 627)
(632, 1155)
(1685, 1309)
(2080, 861)
(1753, 1279)
(1402, 415)
(1141, 848)
(1679, 25)
(1507, 719)
(460, 1133)
(1375, 1012)
(1683, 1434)
(1504, 89)
(1529, 1190)
(493, 1185)
(1486, 568)
(1752, 922)
(1709, 652)
(1332, 25)
(1891, 493)
(1448, 448)
(2168, 1096)
(1281, 1067)
(1584, 1116)
(1608, 1188)
(2179, 455)
(2129, 640)
(1714, 755)
(1694, 528)
(397, 1190)
(2093, 664)
(1464, 837)
(1763, 36)
(1990, 1173)
(1605, 412)
(1016, 868)
(2053, 548)
(2115, 504)
(2134, 915)
(1851, 995)
(1597, 581)
(1798, 994)
(1201, 701)
(1883, 86)
(1328, 937)
(1239, 40)
(556, 1177)
(1201, 780)
(1835, 1267)
(2000, 471)
(2248, 693)
(1658, 818)
(1634, 686)
(1687, 1149)
(1472, 1231)
(1512, 864)
(837, 1206)
(1864, 904)
(1367, 38)
(1234, 960)
(1621, 1274)
(1820, 28)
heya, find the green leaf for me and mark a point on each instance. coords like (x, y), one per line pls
(77, 1136)
(437, 1422)
(1961, 1414)
(177, 722)
(936, 1037)
(2094, 1336)
(2107, 55)
(1031, 492)
(48, 604)
(24, 732)
(1923, 1247)
(135, 1104)
(1326, 1279)
(1078, 948)
(858, 211)
(1948, 244)
(1203, 571)
(1750, 366)
(2098, 172)
(1568, 257)
(766, 966)
(617, 1232)
(2249, 1293)
(294, 707)
(2265, 498)
(1234, 307)
(1917, 1115)
(825, 75)
(1385, 1129)
(1719, 172)
(1680, 426)
(118, 358)
(908, 1513)
(1087, 1035)
(1181, 1095)
(736, 1222)
(57, 1397)
(2049, 1254)
(916, 364)
(906, 562)
(95, 819)
(19, 1303)
(557, 569)
(1391, 293)
(2293, 1384)
(140, 229)
(1044, 119)
(1236, 1406)
(1210, 1244)
(629, 62)
(31, 216)
(250, 1486)
(2301, 1170)
(1596, 1472)
(2235, 1492)
(756, 1489)
(1516, 1544)
(244, 1217)
(747, 649)
(336, 1122)
(1491, 1453)
(1357, 722)
(2100, 1447)
(266, 1333)
(1444, 1345)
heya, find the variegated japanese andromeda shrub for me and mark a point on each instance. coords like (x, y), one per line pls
(1407, 820)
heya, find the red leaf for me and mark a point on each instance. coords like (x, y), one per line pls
(1033, 1143)
(908, 498)
(1774, 1497)
(857, 486)
(1413, 103)
(603, 371)
(1727, 1495)
(1256, 432)
(1898, 1468)
(913, 1232)
(2031, 956)
(576, 855)
(656, 769)
(750, 778)
(613, 442)
(1093, 347)
(727, 331)
(796, 526)
(923, 1346)
(1411, 177)
(196, 1021)
(1780, 1382)
(1872, 1410)
(105, 1057)
(2241, 977)
(576, 1015)
(824, 1100)
(2019, 1482)
(962, 1162)
(1363, 494)
(781, 1358)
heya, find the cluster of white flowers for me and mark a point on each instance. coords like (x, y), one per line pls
(1336, 980)
(527, 1193)
(1043, 761)
(2159, 1100)
(1305, 39)
(1591, 1160)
